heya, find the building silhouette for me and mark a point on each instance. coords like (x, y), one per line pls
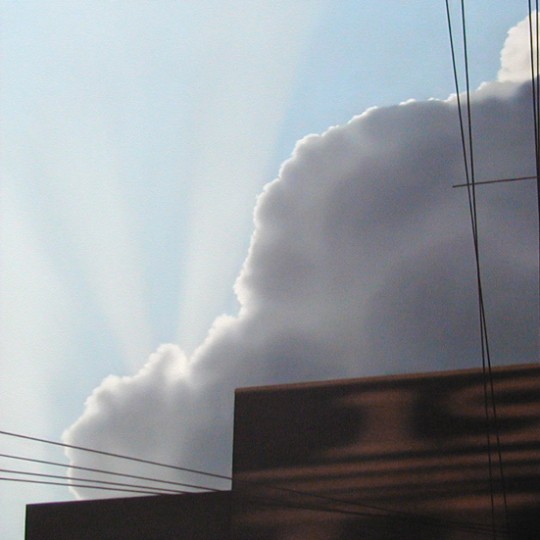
(423, 456)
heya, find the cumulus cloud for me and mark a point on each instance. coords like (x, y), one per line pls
(516, 53)
(361, 263)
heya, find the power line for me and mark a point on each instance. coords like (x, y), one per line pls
(115, 455)
(486, 356)
(382, 511)
(145, 490)
(96, 482)
(535, 88)
(468, 158)
(104, 471)
(474, 231)
(429, 521)
(266, 501)
(497, 180)
(67, 484)
(480, 285)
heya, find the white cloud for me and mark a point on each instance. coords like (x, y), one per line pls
(516, 53)
(361, 263)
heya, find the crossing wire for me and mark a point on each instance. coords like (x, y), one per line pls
(468, 158)
(383, 511)
(498, 181)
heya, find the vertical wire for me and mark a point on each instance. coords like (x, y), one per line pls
(534, 56)
(475, 241)
(458, 97)
(533, 85)
(537, 149)
(487, 357)
(474, 220)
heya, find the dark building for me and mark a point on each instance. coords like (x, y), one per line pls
(403, 457)
(201, 516)
(389, 457)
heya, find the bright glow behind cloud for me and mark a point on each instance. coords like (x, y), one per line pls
(129, 127)
(245, 75)
(361, 263)
(84, 189)
(35, 315)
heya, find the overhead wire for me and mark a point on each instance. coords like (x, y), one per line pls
(104, 471)
(472, 213)
(67, 484)
(537, 120)
(115, 455)
(104, 484)
(486, 358)
(468, 159)
(418, 519)
(535, 91)
(266, 501)
(383, 511)
(498, 180)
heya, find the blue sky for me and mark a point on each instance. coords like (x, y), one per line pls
(135, 138)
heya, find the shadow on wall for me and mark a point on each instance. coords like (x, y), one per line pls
(390, 457)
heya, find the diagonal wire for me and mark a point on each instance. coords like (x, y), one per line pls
(478, 528)
(535, 69)
(94, 481)
(485, 338)
(67, 484)
(417, 519)
(475, 241)
(468, 157)
(103, 471)
(115, 455)
(535, 87)
(316, 496)
(474, 221)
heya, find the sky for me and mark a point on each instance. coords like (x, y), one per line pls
(179, 218)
